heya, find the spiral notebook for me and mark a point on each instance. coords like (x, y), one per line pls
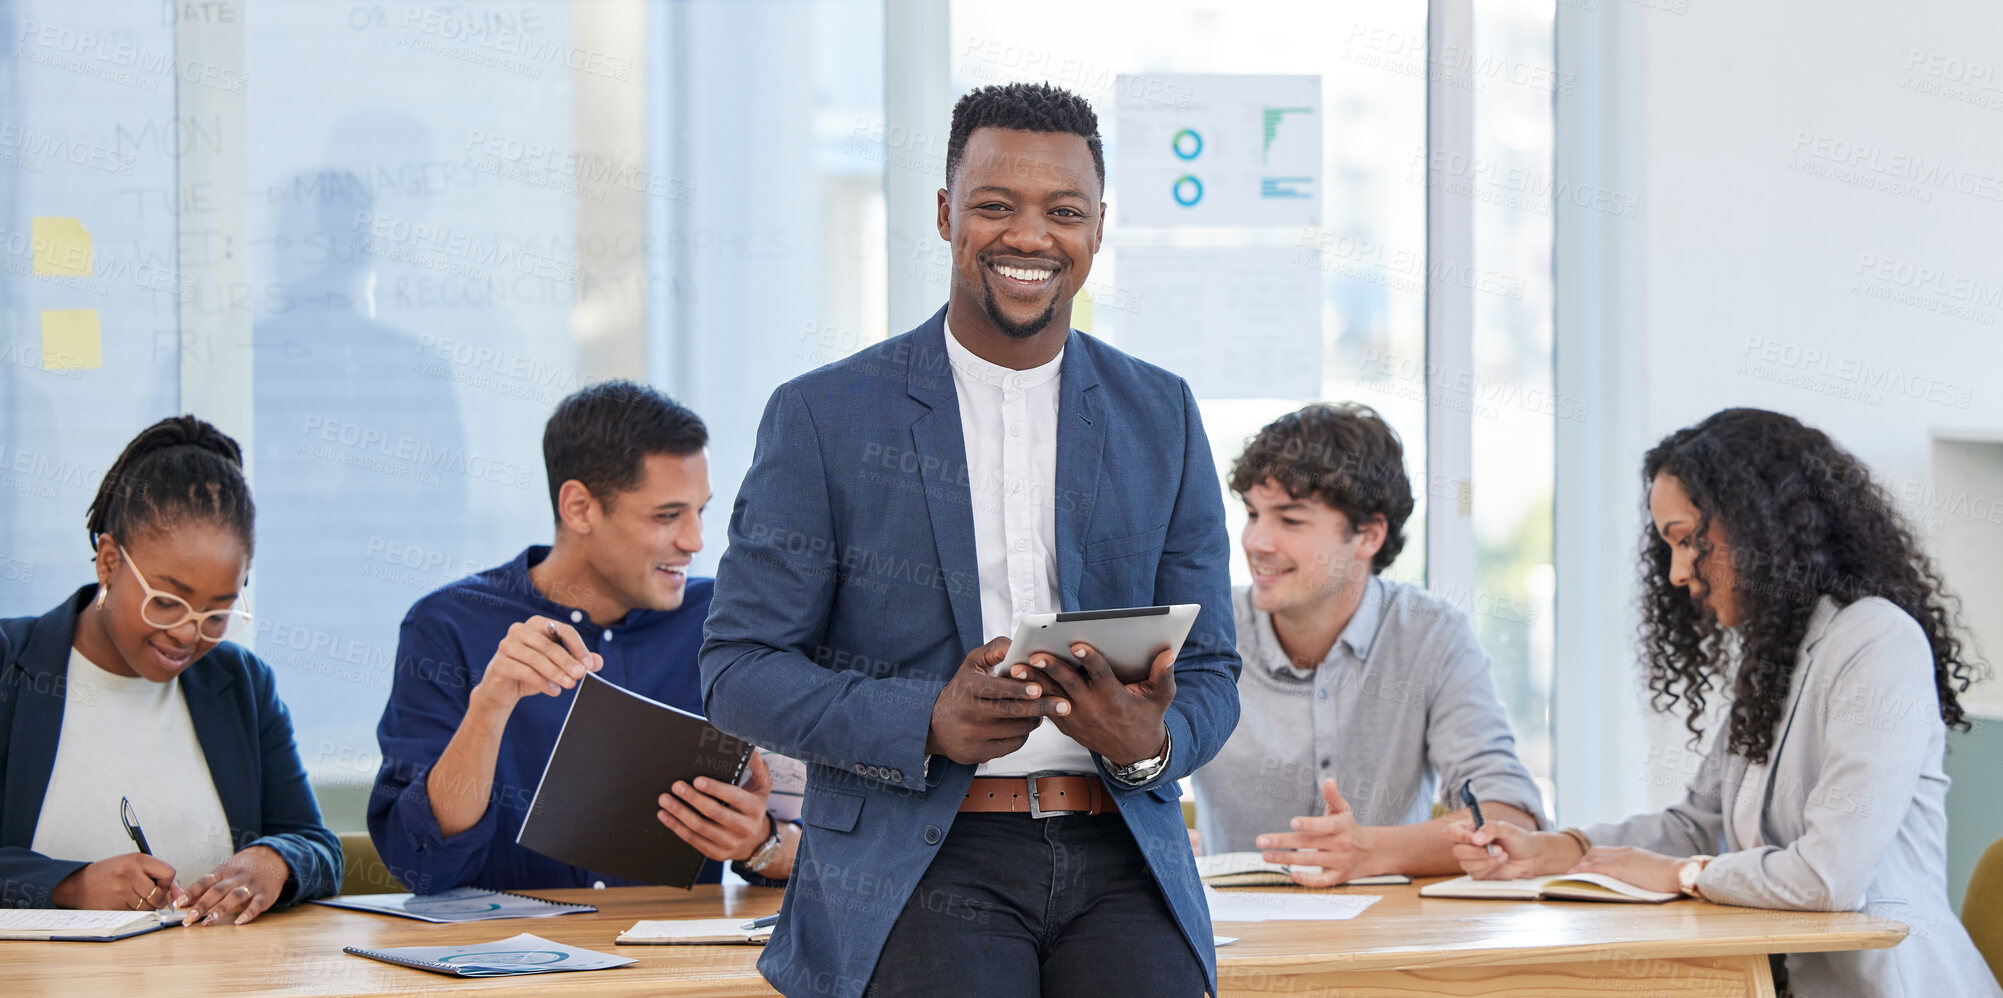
(616, 754)
(524, 954)
(460, 904)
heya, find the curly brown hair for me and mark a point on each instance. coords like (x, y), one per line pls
(1802, 519)
(1344, 454)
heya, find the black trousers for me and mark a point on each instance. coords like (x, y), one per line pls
(1021, 907)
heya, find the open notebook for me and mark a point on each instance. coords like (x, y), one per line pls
(694, 932)
(1564, 887)
(1250, 869)
(81, 926)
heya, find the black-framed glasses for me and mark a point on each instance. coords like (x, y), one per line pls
(167, 611)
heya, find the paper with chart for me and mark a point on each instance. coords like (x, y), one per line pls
(523, 954)
(1284, 906)
(1219, 150)
(1236, 322)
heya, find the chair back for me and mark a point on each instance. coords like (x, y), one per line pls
(1982, 907)
(365, 872)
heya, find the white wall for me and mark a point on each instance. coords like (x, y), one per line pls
(1741, 243)
(1822, 192)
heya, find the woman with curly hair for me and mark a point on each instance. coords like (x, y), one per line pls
(1775, 567)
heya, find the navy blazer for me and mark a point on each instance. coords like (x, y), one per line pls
(849, 594)
(244, 730)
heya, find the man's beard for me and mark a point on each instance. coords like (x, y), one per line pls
(1009, 327)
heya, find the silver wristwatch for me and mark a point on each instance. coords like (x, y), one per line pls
(1139, 773)
(766, 854)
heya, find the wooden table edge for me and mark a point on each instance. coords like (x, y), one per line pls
(1421, 959)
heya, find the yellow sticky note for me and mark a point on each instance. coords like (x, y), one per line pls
(71, 339)
(62, 247)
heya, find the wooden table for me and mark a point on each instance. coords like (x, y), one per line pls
(1403, 945)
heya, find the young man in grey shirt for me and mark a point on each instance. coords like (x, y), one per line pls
(1363, 701)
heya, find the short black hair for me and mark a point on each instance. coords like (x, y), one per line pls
(1344, 454)
(179, 470)
(1028, 107)
(602, 436)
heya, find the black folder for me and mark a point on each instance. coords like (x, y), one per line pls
(617, 754)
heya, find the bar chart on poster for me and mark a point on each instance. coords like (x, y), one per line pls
(1220, 175)
(1219, 150)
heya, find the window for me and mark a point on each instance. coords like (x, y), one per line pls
(88, 148)
(1510, 179)
(589, 191)
(1371, 234)
(454, 215)
(424, 274)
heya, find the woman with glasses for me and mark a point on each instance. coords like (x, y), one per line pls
(145, 760)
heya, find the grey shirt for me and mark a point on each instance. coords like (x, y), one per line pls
(1402, 706)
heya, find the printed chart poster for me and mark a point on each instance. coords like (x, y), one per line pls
(1219, 150)
(1236, 322)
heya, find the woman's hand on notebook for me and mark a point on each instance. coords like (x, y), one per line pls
(1639, 867)
(133, 881)
(1519, 853)
(241, 888)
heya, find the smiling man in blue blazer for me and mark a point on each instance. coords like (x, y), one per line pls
(905, 506)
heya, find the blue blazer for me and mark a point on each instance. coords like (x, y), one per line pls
(244, 730)
(850, 593)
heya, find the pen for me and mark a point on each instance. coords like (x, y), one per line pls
(759, 923)
(1467, 797)
(557, 636)
(131, 823)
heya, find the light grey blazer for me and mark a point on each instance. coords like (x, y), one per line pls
(1853, 814)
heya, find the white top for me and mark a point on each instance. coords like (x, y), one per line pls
(1009, 420)
(124, 736)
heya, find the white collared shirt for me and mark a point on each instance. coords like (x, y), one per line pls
(1009, 421)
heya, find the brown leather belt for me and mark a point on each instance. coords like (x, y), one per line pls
(1040, 795)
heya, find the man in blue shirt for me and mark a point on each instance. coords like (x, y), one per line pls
(486, 665)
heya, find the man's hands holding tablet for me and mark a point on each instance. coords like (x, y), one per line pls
(986, 712)
(981, 716)
(1120, 721)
